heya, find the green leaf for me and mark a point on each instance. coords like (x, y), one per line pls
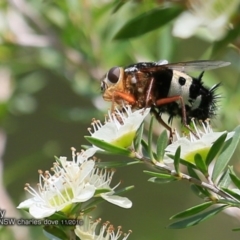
(234, 178)
(192, 173)
(101, 190)
(225, 180)
(232, 193)
(192, 211)
(88, 210)
(236, 229)
(177, 159)
(118, 5)
(158, 175)
(144, 148)
(161, 180)
(108, 147)
(147, 22)
(161, 145)
(138, 138)
(150, 136)
(216, 147)
(189, 222)
(200, 164)
(187, 164)
(123, 190)
(226, 154)
(232, 203)
(116, 164)
(200, 191)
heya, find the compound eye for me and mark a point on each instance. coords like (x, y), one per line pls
(113, 75)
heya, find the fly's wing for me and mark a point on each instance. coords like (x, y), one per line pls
(181, 66)
(196, 65)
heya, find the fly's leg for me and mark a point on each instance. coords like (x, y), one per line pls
(160, 120)
(148, 92)
(168, 100)
(122, 96)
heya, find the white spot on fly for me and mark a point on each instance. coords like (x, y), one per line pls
(131, 69)
(133, 80)
(177, 89)
(196, 103)
(162, 62)
(140, 90)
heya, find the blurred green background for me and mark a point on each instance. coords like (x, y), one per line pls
(53, 55)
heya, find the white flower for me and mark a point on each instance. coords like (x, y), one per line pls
(120, 129)
(209, 17)
(87, 231)
(72, 182)
(196, 144)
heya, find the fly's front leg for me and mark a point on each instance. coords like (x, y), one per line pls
(116, 96)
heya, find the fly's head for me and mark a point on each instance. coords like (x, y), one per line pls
(111, 82)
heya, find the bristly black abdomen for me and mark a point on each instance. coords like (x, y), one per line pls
(208, 104)
(201, 104)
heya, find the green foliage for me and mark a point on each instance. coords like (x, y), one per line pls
(147, 22)
(161, 145)
(226, 154)
(200, 164)
(177, 160)
(217, 145)
(110, 148)
(192, 211)
(192, 221)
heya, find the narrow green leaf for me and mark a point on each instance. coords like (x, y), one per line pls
(138, 138)
(187, 164)
(144, 148)
(194, 220)
(192, 211)
(236, 229)
(202, 167)
(147, 22)
(232, 193)
(226, 154)
(118, 5)
(161, 145)
(123, 190)
(158, 175)
(177, 160)
(150, 136)
(108, 147)
(116, 164)
(161, 180)
(87, 210)
(199, 191)
(234, 178)
(229, 202)
(216, 147)
(225, 180)
(192, 173)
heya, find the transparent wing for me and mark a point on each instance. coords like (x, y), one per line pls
(180, 66)
(196, 65)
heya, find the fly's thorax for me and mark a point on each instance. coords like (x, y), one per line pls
(137, 85)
